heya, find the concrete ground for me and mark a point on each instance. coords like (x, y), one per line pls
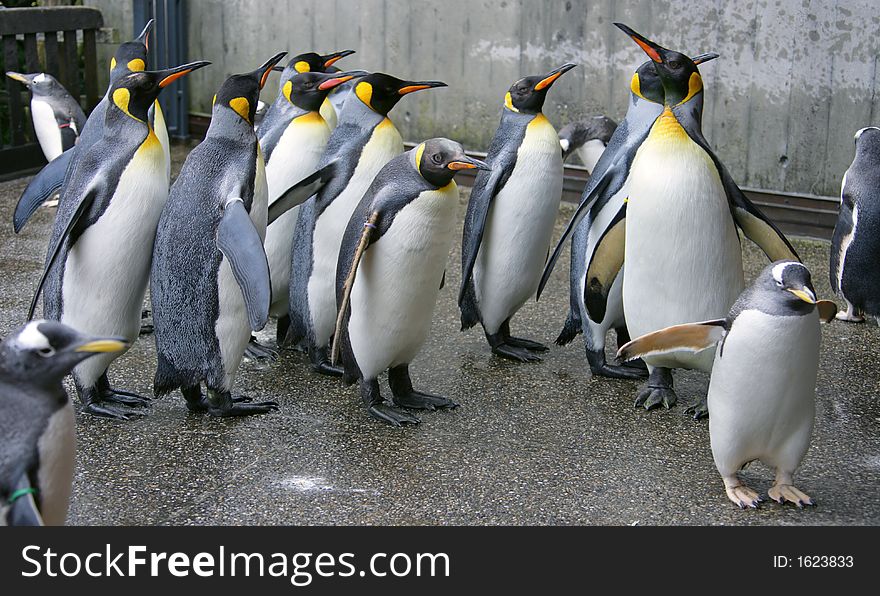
(532, 444)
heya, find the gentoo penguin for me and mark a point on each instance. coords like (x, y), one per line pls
(680, 244)
(210, 279)
(129, 57)
(587, 138)
(510, 218)
(763, 389)
(363, 142)
(293, 137)
(58, 117)
(595, 308)
(855, 246)
(98, 260)
(391, 267)
(37, 435)
(312, 62)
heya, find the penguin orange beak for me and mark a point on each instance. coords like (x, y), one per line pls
(16, 76)
(341, 78)
(103, 345)
(468, 163)
(553, 75)
(170, 75)
(263, 72)
(704, 58)
(653, 50)
(144, 37)
(330, 59)
(414, 86)
(805, 294)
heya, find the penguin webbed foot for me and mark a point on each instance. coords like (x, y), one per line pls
(527, 344)
(260, 353)
(788, 493)
(743, 497)
(419, 400)
(392, 415)
(514, 353)
(222, 404)
(125, 398)
(657, 390)
(103, 411)
(699, 410)
(321, 363)
(621, 371)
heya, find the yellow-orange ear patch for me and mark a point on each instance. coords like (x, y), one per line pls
(288, 87)
(136, 65)
(112, 62)
(242, 106)
(364, 91)
(635, 85)
(508, 103)
(419, 151)
(302, 66)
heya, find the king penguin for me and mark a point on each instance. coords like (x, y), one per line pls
(391, 267)
(129, 57)
(510, 218)
(293, 137)
(680, 245)
(57, 116)
(855, 246)
(210, 279)
(312, 62)
(37, 428)
(587, 138)
(363, 142)
(762, 395)
(99, 254)
(596, 307)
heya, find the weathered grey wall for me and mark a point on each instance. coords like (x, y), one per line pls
(795, 80)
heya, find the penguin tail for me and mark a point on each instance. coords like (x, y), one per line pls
(570, 330)
(470, 314)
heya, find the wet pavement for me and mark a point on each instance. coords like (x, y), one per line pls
(531, 444)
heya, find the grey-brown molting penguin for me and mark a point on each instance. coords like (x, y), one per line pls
(210, 279)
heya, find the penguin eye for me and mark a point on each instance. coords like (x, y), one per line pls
(437, 158)
(46, 352)
(674, 64)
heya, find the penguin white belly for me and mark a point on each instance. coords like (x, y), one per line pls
(519, 227)
(232, 328)
(590, 152)
(683, 256)
(763, 389)
(295, 157)
(57, 450)
(46, 127)
(398, 282)
(107, 270)
(385, 144)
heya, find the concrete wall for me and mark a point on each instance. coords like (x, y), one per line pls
(795, 80)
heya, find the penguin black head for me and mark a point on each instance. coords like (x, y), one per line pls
(134, 93)
(308, 90)
(44, 352)
(39, 83)
(240, 92)
(381, 92)
(866, 139)
(527, 95)
(646, 82)
(791, 282)
(575, 134)
(438, 160)
(678, 73)
(131, 56)
(312, 62)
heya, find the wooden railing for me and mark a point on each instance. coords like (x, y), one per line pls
(43, 40)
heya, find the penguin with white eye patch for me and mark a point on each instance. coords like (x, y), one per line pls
(37, 426)
(762, 395)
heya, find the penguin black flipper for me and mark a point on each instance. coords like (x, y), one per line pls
(86, 202)
(487, 185)
(300, 192)
(238, 240)
(747, 216)
(46, 183)
(605, 264)
(23, 511)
